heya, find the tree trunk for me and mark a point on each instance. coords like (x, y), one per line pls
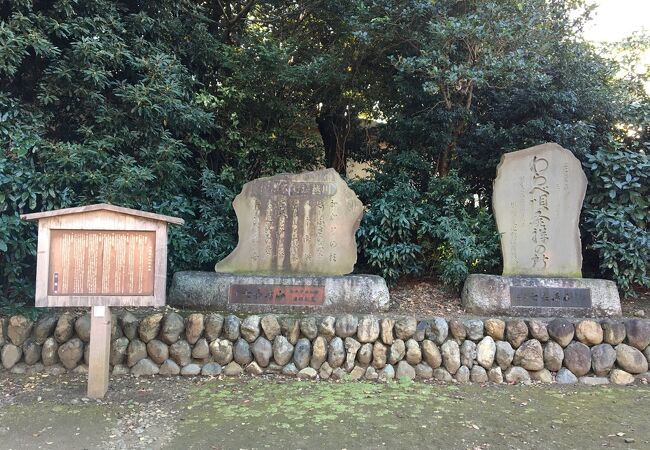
(443, 165)
(334, 130)
(443, 159)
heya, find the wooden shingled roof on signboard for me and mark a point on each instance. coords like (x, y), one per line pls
(103, 207)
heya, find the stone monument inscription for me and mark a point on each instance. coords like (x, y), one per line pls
(101, 262)
(301, 224)
(539, 296)
(273, 294)
(538, 195)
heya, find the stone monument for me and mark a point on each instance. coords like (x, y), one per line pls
(296, 248)
(296, 225)
(538, 194)
(537, 198)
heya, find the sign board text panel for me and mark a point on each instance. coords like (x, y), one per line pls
(101, 262)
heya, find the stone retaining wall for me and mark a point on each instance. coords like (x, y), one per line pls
(370, 347)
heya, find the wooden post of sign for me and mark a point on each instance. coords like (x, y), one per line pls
(100, 347)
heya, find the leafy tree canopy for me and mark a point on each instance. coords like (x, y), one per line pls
(171, 106)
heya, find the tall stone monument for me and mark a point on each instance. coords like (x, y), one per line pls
(537, 198)
(296, 248)
(538, 194)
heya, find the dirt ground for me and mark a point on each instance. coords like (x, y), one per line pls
(253, 413)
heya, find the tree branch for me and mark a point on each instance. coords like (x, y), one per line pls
(245, 10)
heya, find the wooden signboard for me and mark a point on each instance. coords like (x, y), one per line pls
(94, 262)
(101, 256)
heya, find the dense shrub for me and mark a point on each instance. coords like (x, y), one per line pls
(463, 236)
(436, 232)
(388, 237)
(617, 214)
(23, 188)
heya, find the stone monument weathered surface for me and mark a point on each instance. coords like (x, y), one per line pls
(298, 224)
(296, 241)
(538, 195)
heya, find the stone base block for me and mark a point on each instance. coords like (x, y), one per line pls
(255, 293)
(540, 297)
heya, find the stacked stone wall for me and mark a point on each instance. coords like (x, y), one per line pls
(328, 347)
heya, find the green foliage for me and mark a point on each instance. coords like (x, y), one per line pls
(14, 308)
(389, 232)
(97, 106)
(436, 232)
(483, 78)
(22, 188)
(171, 107)
(618, 214)
(462, 235)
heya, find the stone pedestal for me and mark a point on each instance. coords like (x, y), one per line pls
(540, 297)
(255, 293)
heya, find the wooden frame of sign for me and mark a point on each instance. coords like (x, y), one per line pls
(101, 256)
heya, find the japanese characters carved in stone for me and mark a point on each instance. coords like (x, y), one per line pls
(302, 224)
(538, 195)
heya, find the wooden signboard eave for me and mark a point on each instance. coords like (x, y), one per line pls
(103, 207)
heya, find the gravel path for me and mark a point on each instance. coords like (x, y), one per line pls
(47, 412)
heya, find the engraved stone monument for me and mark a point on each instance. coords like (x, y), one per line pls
(296, 224)
(537, 198)
(538, 194)
(296, 248)
(101, 256)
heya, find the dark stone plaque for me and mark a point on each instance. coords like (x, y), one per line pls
(273, 294)
(550, 297)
